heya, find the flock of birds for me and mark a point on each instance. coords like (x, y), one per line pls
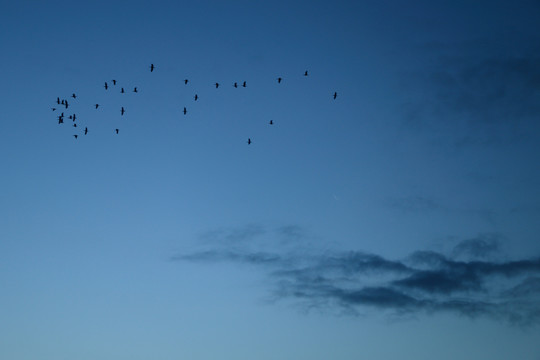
(65, 103)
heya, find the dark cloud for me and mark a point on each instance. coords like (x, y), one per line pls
(425, 281)
(474, 98)
(480, 247)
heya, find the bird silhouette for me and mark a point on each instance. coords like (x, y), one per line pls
(335, 95)
(249, 141)
(97, 105)
(85, 130)
(74, 117)
(74, 96)
(306, 74)
(186, 81)
(235, 85)
(151, 67)
(106, 86)
(67, 104)
(63, 103)
(135, 89)
(114, 82)
(76, 136)
(53, 109)
(185, 111)
(271, 122)
(244, 84)
(60, 120)
(71, 116)
(279, 80)
(58, 100)
(122, 111)
(74, 125)
(122, 90)
(116, 131)
(217, 85)
(196, 97)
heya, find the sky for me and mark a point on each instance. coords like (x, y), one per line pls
(398, 220)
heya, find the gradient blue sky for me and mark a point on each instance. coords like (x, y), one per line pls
(400, 220)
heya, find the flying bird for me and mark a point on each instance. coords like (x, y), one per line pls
(305, 74)
(67, 104)
(74, 125)
(135, 89)
(106, 86)
(122, 90)
(116, 131)
(76, 136)
(186, 81)
(122, 111)
(249, 141)
(271, 122)
(85, 130)
(235, 85)
(196, 97)
(114, 82)
(217, 85)
(185, 111)
(151, 67)
(74, 96)
(63, 103)
(279, 80)
(97, 105)
(58, 100)
(53, 109)
(60, 120)
(71, 116)
(335, 95)
(244, 84)
(74, 117)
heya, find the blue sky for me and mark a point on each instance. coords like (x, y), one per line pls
(399, 220)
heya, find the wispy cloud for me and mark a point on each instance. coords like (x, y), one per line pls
(465, 282)
(475, 98)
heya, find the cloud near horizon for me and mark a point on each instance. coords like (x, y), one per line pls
(466, 282)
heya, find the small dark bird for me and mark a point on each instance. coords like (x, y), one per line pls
(53, 109)
(114, 82)
(135, 89)
(71, 116)
(185, 111)
(76, 136)
(244, 84)
(122, 111)
(217, 85)
(335, 95)
(196, 97)
(74, 96)
(60, 120)
(279, 80)
(106, 86)
(271, 122)
(122, 90)
(116, 131)
(85, 130)
(235, 85)
(63, 103)
(186, 81)
(97, 105)
(67, 104)
(305, 74)
(249, 141)
(74, 117)
(74, 125)
(58, 100)
(151, 67)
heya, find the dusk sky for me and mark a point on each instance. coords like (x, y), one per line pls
(399, 220)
